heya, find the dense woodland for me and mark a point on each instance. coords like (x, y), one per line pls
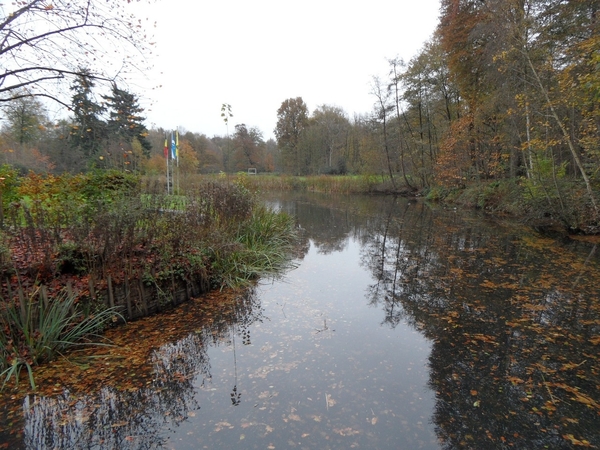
(503, 90)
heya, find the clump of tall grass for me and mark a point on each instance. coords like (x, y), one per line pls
(35, 330)
(262, 245)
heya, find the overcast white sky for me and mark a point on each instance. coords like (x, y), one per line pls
(254, 54)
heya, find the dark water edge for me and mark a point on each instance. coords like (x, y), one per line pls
(403, 326)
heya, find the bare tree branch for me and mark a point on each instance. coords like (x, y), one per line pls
(45, 45)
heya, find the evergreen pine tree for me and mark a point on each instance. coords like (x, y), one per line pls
(125, 122)
(88, 132)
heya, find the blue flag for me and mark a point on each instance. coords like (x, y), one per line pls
(173, 147)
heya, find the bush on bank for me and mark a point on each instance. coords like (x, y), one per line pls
(563, 209)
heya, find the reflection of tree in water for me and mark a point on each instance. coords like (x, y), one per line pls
(141, 417)
(515, 322)
(325, 226)
(331, 221)
(109, 419)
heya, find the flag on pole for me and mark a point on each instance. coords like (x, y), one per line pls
(173, 147)
(166, 149)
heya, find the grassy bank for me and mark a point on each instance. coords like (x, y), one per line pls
(334, 184)
(63, 237)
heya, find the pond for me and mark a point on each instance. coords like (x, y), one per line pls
(401, 326)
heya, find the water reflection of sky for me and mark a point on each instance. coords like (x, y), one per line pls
(321, 371)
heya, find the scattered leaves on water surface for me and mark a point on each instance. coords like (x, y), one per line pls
(522, 327)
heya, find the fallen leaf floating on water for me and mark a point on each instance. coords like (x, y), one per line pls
(346, 431)
(329, 402)
(119, 424)
(577, 442)
(219, 426)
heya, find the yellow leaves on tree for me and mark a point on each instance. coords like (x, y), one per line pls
(453, 163)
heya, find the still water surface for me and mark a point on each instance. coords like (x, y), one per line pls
(401, 327)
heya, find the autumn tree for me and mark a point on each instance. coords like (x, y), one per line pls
(25, 133)
(464, 38)
(526, 73)
(470, 36)
(205, 152)
(248, 148)
(292, 119)
(25, 119)
(566, 68)
(272, 159)
(362, 147)
(43, 44)
(188, 158)
(331, 126)
(543, 51)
